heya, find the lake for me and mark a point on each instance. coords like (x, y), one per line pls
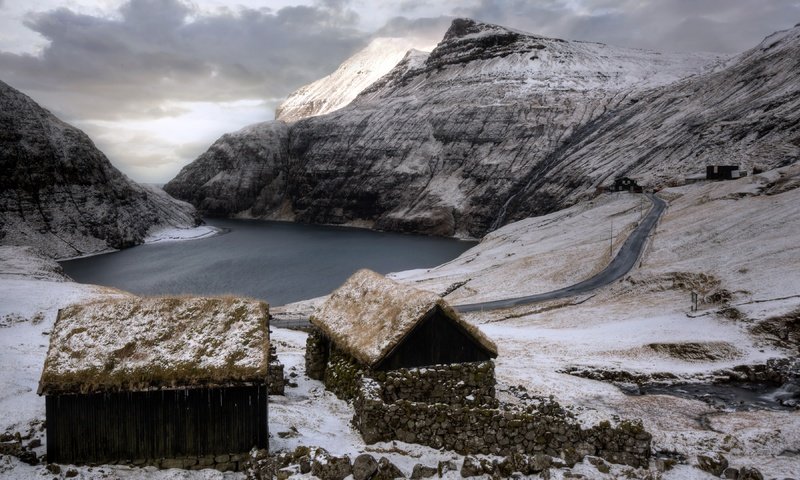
(278, 262)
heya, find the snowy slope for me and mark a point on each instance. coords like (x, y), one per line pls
(440, 143)
(58, 192)
(745, 112)
(342, 86)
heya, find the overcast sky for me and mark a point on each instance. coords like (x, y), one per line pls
(155, 82)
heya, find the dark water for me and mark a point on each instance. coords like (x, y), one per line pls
(274, 261)
(734, 396)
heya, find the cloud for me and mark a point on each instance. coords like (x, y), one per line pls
(726, 26)
(167, 49)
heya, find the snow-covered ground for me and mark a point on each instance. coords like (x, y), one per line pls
(176, 234)
(735, 243)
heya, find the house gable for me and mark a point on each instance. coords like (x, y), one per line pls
(436, 339)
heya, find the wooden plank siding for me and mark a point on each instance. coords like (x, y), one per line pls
(109, 427)
(435, 340)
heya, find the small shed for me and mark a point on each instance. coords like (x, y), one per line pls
(724, 172)
(152, 378)
(386, 325)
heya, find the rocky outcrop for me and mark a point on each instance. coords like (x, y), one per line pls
(446, 143)
(58, 192)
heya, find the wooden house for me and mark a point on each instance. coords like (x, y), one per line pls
(625, 184)
(384, 325)
(724, 172)
(153, 378)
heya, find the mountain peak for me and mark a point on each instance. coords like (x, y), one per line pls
(467, 27)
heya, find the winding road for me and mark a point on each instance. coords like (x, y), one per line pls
(621, 264)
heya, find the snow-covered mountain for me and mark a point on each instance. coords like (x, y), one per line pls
(59, 193)
(745, 112)
(440, 144)
(351, 78)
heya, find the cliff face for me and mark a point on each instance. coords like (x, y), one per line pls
(58, 192)
(441, 143)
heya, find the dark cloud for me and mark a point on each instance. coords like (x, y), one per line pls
(727, 26)
(431, 29)
(165, 49)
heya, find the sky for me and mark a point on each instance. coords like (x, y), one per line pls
(155, 82)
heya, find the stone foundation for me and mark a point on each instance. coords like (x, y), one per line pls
(222, 462)
(485, 429)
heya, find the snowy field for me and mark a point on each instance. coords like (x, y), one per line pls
(736, 243)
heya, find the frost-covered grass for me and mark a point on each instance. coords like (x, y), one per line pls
(740, 237)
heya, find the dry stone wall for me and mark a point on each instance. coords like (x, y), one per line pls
(543, 429)
(456, 384)
(316, 354)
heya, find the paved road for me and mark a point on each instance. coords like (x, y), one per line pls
(625, 260)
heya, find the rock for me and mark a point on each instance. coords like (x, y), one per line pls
(599, 464)
(731, 473)
(387, 470)
(665, 464)
(71, 473)
(328, 467)
(421, 471)
(713, 463)
(29, 457)
(539, 463)
(305, 464)
(284, 473)
(59, 193)
(446, 466)
(515, 462)
(172, 463)
(471, 467)
(35, 443)
(53, 468)
(364, 467)
(750, 473)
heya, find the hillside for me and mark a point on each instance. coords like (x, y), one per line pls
(439, 144)
(746, 112)
(59, 193)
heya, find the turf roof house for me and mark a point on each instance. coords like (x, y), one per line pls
(142, 379)
(372, 326)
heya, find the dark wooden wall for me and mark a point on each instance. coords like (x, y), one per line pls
(107, 427)
(435, 340)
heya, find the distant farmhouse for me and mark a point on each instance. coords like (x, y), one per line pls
(724, 172)
(621, 184)
(146, 379)
(372, 324)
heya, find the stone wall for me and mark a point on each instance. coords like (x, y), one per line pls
(223, 462)
(316, 354)
(343, 374)
(543, 429)
(275, 379)
(455, 384)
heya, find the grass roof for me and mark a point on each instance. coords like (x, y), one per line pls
(135, 343)
(370, 314)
